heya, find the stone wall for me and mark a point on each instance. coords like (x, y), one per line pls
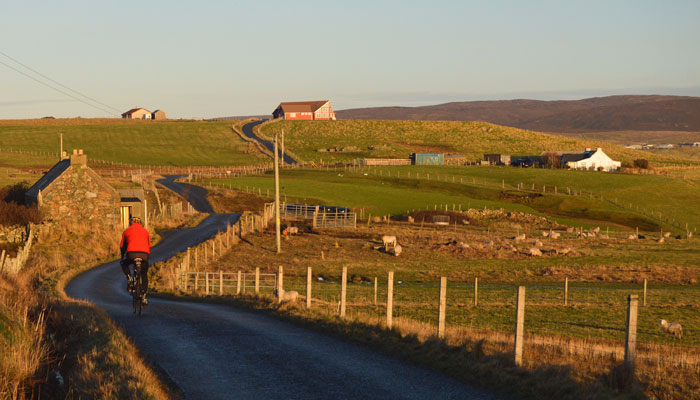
(80, 195)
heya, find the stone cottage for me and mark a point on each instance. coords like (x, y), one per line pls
(72, 191)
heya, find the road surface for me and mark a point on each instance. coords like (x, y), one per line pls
(248, 131)
(220, 352)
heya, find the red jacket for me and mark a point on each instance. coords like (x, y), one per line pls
(135, 238)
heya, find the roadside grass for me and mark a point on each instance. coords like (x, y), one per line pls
(67, 348)
(629, 201)
(171, 143)
(397, 139)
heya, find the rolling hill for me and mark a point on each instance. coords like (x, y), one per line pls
(612, 113)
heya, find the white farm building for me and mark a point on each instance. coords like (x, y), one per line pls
(590, 159)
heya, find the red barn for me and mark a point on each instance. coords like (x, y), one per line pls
(305, 110)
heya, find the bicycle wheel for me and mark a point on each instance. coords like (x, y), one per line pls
(137, 288)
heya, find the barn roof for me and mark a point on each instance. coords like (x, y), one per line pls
(302, 106)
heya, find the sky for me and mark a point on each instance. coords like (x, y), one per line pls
(208, 59)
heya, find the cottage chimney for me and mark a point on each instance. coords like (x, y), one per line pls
(78, 158)
(64, 155)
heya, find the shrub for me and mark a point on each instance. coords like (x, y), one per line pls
(13, 210)
(641, 163)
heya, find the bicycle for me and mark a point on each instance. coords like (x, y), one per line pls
(136, 291)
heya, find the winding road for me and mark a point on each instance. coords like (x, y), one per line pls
(220, 352)
(248, 131)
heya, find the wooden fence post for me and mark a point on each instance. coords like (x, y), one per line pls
(389, 298)
(631, 338)
(196, 282)
(441, 307)
(257, 280)
(280, 276)
(476, 291)
(644, 299)
(375, 290)
(238, 283)
(221, 283)
(519, 325)
(308, 287)
(566, 291)
(206, 283)
(343, 291)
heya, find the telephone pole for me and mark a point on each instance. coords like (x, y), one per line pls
(282, 148)
(277, 199)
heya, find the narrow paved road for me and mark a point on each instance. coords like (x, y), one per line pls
(220, 352)
(195, 195)
(248, 131)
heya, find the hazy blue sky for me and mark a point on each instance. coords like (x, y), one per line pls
(220, 58)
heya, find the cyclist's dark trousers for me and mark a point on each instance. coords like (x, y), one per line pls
(130, 257)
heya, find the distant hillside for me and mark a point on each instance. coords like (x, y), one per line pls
(612, 113)
(349, 139)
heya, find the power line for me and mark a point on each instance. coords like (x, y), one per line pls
(58, 83)
(56, 89)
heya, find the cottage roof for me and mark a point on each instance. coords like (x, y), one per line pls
(133, 110)
(301, 106)
(47, 179)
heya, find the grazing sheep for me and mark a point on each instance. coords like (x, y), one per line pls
(410, 219)
(462, 245)
(288, 295)
(545, 234)
(564, 251)
(397, 250)
(535, 252)
(293, 230)
(388, 240)
(538, 243)
(465, 222)
(596, 229)
(554, 235)
(631, 237)
(667, 235)
(520, 237)
(673, 328)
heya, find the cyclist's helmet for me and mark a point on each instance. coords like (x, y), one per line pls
(134, 219)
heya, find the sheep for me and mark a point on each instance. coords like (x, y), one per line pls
(293, 230)
(667, 235)
(388, 240)
(631, 237)
(535, 252)
(661, 240)
(288, 295)
(520, 237)
(673, 328)
(554, 235)
(545, 234)
(596, 229)
(397, 250)
(410, 219)
(538, 243)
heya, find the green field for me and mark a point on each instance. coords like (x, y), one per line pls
(630, 201)
(398, 139)
(175, 143)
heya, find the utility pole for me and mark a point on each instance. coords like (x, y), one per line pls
(282, 148)
(277, 200)
(60, 155)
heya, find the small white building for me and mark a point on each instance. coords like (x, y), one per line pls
(591, 160)
(137, 113)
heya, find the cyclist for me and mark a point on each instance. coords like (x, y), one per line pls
(136, 243)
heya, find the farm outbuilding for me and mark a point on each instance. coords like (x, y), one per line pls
(590, 159)
(158, 114)
(427, 158)
(305, 111)
(497, 159)
(137, 113)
